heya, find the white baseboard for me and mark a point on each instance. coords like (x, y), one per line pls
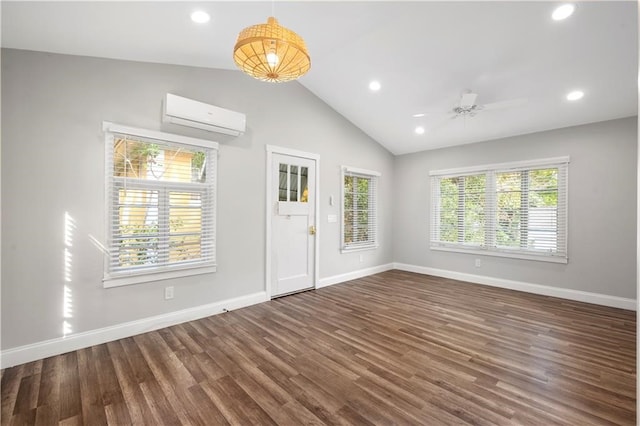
(563, 293)
(336, 279)
(60, 345)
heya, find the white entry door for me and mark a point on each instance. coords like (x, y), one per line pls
(293, 221)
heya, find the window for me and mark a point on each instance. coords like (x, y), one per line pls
(359, 209)
(512, 210)
(160, 191)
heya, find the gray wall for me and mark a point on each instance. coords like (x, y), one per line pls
(53, 162)
(602, 207)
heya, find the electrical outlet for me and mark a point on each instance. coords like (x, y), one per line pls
(478, 263)
(168, 293)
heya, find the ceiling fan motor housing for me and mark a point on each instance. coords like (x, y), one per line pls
(466, 110)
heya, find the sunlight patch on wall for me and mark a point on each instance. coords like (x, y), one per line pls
(67, 296)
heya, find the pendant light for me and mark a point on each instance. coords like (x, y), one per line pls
(271, 52)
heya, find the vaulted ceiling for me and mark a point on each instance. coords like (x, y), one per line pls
(425, 55)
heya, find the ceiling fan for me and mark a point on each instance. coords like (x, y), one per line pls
(467, 106)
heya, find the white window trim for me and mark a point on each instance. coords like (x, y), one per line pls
(514, 165)
(149, 276)
(505, 252)
(364, 173)
(164, 272)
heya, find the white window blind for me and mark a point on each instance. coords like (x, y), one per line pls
(359, 209)
(161, 205)
(513, 209)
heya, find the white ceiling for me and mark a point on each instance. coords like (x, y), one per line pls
(425, 54)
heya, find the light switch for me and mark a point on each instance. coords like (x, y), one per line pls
(332, 218)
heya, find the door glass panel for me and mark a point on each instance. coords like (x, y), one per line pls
(283, 180)
(293, 184)
(304, 186)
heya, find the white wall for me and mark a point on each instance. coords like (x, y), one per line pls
(602, 207)
(53, 163)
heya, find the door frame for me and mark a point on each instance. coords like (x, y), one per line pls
(273, 149)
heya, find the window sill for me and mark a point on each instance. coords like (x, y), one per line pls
(354, 249)
(485, 252)
(121, 280)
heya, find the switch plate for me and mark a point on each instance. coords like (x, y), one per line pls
(332, 218)
(168, 293)
(478, 263)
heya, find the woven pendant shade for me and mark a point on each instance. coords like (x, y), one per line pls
(271, 52)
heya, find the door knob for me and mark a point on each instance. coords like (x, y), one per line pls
(312, 230)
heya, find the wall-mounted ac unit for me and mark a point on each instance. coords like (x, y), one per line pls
(187, 112)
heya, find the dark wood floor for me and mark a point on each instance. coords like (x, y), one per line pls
(393, 348)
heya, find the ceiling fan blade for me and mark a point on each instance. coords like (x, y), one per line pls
(468, 100)
(503, 104)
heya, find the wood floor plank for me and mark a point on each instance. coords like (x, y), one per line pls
(138, 408)
(301, 414)
(209, 412)
(159, 405)
(166, 384)
(70, 399)
(139, 366)
(110, 390)
(93, 404)
(9, 386)
(391, 348)
(352, 417)
(49, 391)
(27, 398)
(232, 413)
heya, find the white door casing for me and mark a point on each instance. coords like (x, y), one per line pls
(292, 234)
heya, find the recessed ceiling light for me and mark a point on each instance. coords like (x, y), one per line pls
(575, 95)
(200, 17)
(375, 85)
(563, 12)
(420, 130)
(420, 114)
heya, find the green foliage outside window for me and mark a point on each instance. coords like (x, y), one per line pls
(356, 209)
(462, 213)
(139, 244)
(520, 195)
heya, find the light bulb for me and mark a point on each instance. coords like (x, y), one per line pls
(272, 59)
